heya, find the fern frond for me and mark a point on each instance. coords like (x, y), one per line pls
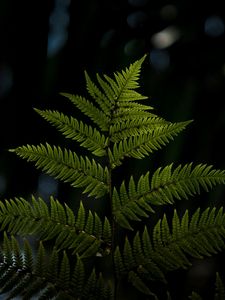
(126, 82)
(170, 247)
(64, 272)
(83, 242)
(102, 99)
(55, 222)
(68, 167)
(220, 288)
(134, 127)
(166, 185)
(95, 114)
(195, 296)
(18, 279)
(78, 277)
(203, 235)
(143, 144)
(71, 128)
(138, 283)
(107, 90)
(124, 114)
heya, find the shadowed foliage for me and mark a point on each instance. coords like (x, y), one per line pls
(81, 255)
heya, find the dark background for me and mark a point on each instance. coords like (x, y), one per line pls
(46, 45)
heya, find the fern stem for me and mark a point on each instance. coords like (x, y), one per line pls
(113, 232)
(113, 222)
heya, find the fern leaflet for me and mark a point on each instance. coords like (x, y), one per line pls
(166, 185)
(88, 137)
(170, 247)
(68, 167)
(56, 222)
(18, 279)
(95, 114)
(143, 144)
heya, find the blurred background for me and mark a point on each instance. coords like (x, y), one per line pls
(46, 45)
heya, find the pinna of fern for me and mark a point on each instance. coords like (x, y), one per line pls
(121, 126)
(47, 276)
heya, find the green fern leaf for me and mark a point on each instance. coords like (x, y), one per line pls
(220, 288)
(126, 82)
(138, 257)
(139, 284)
(125, 128)
(143, 144)
(78, 277)
(170, 249)
(27, 256)
(195, 296)
(55, 223)
(53, 264)
(71, 128)
(165, 187)
(95, 114)
(101, 98)
(40, 265)
(196, 242)
(119, 265)
(68, 167)
(90, 286)
(56, 282)
(134, 127)
(107, 90)
(128, 255)
(64, 272)
(125, 114)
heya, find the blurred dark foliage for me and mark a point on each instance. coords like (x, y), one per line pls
(46, 45)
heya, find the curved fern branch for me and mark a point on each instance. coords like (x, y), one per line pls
(71, 128)
(143, 144)
(166, 185)
(134, 127)
(68, 167)
(84, 234)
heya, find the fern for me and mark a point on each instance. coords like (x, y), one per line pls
(68, 167)
(83, 255)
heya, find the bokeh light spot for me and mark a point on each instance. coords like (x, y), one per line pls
(58, 24)
(214, 26)
(137, 19)
(166, 37)
(160, 59)
(47, 185)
